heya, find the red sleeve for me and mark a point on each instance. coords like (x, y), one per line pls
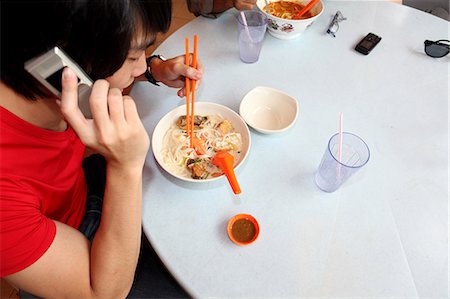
(25, 233)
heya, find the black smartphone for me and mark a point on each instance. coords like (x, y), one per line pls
(367, 43)
(47, 69)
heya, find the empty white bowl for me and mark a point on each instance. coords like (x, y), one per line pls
(268, 110)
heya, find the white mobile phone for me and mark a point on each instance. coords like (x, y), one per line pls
(47, 69)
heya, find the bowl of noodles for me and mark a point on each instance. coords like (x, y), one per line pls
(283, 22)
(216, 128)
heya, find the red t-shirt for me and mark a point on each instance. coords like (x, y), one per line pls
(41, 180)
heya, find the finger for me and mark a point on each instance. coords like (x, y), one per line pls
(182, 92)
(69, 103)
(197, 84)
(98, 101)
(115, 105)
(195, 73)
(249, 2)
(244, 5)
(130, 111)
(190, 72)
(200, 68)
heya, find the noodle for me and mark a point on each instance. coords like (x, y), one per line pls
(287, 10)
(214, 133)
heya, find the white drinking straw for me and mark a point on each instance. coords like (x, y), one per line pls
(244, 20)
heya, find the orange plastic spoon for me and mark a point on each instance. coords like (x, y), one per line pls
(224, 161)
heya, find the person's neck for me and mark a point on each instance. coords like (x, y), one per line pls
(43, 113)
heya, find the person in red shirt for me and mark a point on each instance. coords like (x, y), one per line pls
(43, 140)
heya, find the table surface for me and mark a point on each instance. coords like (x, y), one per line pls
(384, 233)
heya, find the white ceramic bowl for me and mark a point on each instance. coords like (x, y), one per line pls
(268, 110)
(201, 108)
(289, 29)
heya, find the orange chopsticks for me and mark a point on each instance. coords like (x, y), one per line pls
(190, 101)
(306, 8)
(188, 94)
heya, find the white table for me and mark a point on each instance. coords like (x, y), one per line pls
(384, 233)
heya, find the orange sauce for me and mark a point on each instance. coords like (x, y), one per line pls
(287, 10)
(243, 230)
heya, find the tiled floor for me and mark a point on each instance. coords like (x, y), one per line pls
(7, 291)
(180, 16)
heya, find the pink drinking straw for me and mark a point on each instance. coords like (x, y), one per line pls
(340, 136)
(341, 120)
(244, 20)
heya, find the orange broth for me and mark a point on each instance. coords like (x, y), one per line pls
(287, 10)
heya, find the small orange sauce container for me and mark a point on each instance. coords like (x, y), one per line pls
(243, 229)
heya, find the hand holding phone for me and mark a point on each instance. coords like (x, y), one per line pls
(48, 68)
(368, 43)
(115, 130)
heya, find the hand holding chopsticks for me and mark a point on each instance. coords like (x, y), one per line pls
(173, 72)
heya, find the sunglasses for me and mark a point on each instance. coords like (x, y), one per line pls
(438, 48)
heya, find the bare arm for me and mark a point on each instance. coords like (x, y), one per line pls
(222, 5)
(213, 7)
(71, 268)
(115, 249)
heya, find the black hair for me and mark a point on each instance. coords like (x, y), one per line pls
(97, 34)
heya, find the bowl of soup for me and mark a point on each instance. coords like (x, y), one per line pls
(283, 19)
(216, 128)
